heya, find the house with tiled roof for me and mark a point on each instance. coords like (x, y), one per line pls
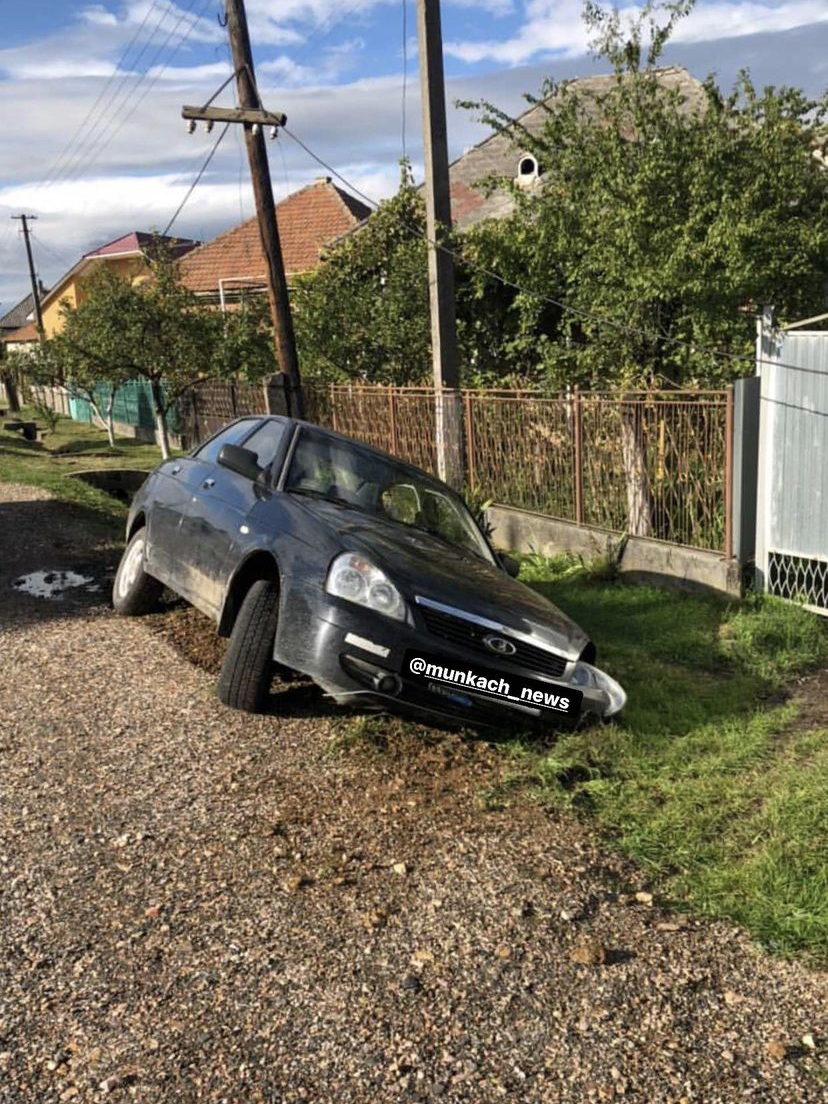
(20, 316)
(308, 221)
(125, 256)
(17, 328)
(500, 154)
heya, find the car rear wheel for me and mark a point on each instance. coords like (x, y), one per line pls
(247, 671)
(134, 592)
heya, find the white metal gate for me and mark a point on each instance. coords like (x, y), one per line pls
(792, 498)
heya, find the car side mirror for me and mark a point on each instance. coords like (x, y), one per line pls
(509, 565)
(240, 460)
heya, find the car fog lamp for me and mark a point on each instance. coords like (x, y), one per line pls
(357, 580)
(588, 677)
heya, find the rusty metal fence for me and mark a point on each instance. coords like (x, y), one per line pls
(648, 463)
(211, 405)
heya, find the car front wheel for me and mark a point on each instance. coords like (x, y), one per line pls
(247, 671)
(134, 591)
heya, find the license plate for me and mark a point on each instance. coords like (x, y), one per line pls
(508, 688)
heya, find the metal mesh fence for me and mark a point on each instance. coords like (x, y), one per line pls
(651, 464)
(211, 405)
(800, 578)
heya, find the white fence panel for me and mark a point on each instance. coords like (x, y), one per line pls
(792, 513)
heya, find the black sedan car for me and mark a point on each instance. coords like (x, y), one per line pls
(319, 554)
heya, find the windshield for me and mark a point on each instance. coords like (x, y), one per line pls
(325, 467)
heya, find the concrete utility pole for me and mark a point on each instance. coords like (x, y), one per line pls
(253, 116)
(25, 219)
(440, 262)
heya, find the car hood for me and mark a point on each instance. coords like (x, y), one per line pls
(425, 566)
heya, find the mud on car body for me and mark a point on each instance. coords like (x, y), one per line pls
(331, 558)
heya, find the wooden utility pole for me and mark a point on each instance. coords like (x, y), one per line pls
(252, 116)
(25, 219)
(440, 261)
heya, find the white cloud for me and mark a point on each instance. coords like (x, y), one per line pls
(192, 74)
(97, 14)
(556, 27)
(493, 7)
(327, 67)
(80, 51)
(721, 19)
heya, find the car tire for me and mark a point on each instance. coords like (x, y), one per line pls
(247, 671)
(134, 592)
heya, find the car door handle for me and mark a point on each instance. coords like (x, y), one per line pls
(208, 483)
(175, 470)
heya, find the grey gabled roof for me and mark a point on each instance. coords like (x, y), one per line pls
(498, 154)
(18, 315)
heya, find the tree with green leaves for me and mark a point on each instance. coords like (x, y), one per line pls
(85, 357)
(363, 314)
(665, 217)
(157, 331)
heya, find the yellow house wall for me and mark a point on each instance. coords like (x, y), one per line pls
(133, 268)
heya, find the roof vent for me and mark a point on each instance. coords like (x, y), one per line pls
(528, 169)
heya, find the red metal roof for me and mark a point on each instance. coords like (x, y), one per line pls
(308, 220)
(138, 240)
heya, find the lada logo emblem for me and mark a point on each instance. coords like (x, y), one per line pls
(499, 646)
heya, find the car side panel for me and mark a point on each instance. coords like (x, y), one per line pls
(167, 502)
(216, 532)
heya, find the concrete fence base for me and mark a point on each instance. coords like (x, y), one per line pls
(642, 559)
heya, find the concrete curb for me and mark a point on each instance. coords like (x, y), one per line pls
(643, 559)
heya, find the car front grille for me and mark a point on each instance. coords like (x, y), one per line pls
(460, 631)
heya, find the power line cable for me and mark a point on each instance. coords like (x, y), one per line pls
(119, 120)
(50, 250)
(120, 62)
(198, 177)
(161, 71)
(108, 109)
(404, 68)
(331, 169)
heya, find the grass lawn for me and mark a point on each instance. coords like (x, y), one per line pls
(72, 447)
(708, 779)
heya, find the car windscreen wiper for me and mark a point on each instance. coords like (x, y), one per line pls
(462, 549)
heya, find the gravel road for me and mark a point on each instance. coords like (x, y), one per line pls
(199, 905)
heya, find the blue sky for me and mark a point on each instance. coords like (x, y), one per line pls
(90, 95)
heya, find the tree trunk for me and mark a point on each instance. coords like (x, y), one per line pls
(110, 420)
(160, 420)
(634, 457)
(7, 379)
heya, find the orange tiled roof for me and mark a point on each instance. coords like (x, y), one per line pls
(308, 220)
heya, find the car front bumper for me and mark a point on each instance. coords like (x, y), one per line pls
(358, 657)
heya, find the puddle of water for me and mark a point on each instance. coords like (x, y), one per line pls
(52, 584)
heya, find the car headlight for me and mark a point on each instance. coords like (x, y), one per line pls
(356, 579)
(589, 677)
